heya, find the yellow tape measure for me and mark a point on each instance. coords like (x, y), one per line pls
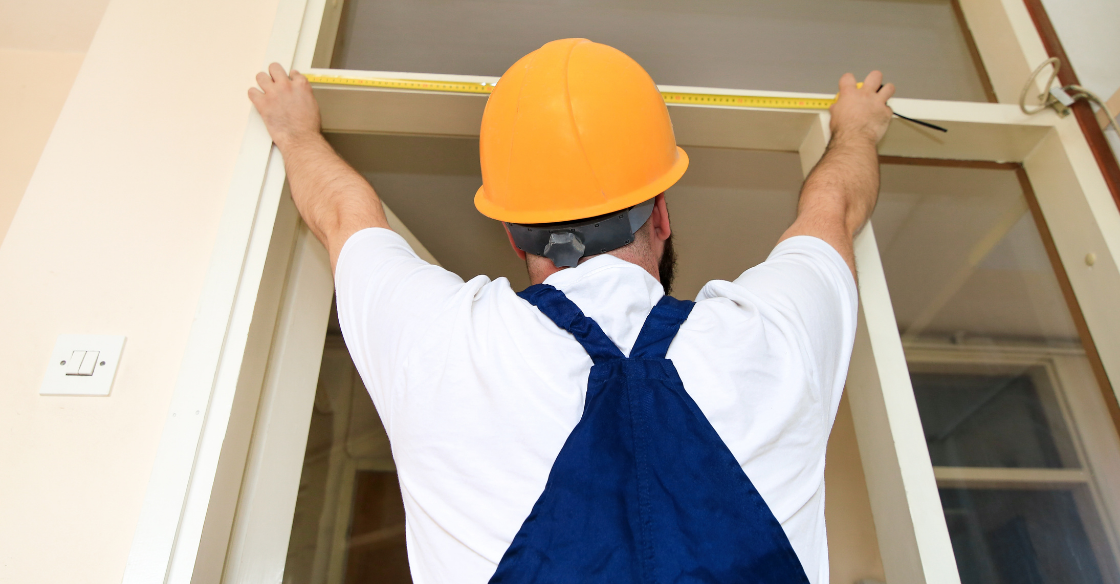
(409, 84)
(756, 101)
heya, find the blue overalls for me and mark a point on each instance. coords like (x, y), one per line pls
(644, 490)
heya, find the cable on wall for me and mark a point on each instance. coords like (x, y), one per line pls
(1060, 98)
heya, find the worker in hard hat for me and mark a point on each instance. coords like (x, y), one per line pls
(591, 428)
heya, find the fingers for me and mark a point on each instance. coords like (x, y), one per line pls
(872, 82)
(277, 72)
(275, 75)
(886, 92)
(848, 81)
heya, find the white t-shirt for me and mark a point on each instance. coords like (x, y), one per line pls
(478, 390)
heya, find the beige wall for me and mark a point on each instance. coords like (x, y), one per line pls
(33, 87)
(50, 25)
(42, 44)
(113, 235)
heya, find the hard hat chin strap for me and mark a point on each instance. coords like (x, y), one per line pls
(566, 243)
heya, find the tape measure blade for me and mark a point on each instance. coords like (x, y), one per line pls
(725, 100)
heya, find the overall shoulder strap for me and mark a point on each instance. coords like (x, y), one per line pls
(556, 306)
(660, 328)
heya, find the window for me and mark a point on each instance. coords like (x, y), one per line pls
(1017, 428)
(349, 517)
(943, 295)
(794, 45)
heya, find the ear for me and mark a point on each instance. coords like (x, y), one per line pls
(659, 220)
(517, 251)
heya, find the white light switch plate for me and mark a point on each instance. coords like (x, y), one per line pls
(57, 382)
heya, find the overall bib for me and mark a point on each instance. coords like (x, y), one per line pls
(644, 491)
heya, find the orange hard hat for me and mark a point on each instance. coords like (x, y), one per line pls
(574, 130)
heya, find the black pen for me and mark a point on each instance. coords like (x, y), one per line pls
(919, 122)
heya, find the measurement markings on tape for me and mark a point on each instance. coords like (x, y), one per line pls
(409, 84)
(763, 101)
(672, 97)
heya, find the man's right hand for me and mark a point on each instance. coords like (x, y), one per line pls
(861, 111)
(333, 199)
(840, 193)
(286, 105)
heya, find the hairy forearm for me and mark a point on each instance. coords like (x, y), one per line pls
(845, 181)
(333, 199)
(839, 195)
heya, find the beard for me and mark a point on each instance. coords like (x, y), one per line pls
(666, 268)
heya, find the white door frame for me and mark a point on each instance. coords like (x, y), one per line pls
(223, 488)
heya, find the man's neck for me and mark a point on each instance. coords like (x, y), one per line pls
(541, 268)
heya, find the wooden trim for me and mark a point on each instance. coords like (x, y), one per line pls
(986, 164)
(1086, 118)
(259, 536)
(977, 131)
(1009, 478)
(1091, 353)
(974, 52)
(913, 537)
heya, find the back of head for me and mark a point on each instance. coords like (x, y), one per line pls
(575, 134)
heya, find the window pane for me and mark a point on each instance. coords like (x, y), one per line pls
(992, 421)
(349, 517)
(1002, 383)
(377, 548)
(1027, 537)
(963, 259)
(793, 45)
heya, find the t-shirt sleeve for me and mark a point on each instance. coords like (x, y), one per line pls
(386, 298)
(806, 291)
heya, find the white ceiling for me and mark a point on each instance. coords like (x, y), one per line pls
(49, 25)
(792, 45)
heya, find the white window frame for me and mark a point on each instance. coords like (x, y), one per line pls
(1084, 414)
(219, 504)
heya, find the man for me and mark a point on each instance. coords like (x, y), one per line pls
(590, 428)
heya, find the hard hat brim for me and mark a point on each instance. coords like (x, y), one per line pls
(649, 191)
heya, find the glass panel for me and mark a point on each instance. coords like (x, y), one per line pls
(964, 260)
(992, 348)
(990, 420)
(1020, 537)
(793, 45)
(377, 548)
(349, 517)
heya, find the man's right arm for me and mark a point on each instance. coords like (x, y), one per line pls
(333, 199)
(840, 193)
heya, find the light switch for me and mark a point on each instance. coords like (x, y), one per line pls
(74, 362)
(82, 365)
(89, 362)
